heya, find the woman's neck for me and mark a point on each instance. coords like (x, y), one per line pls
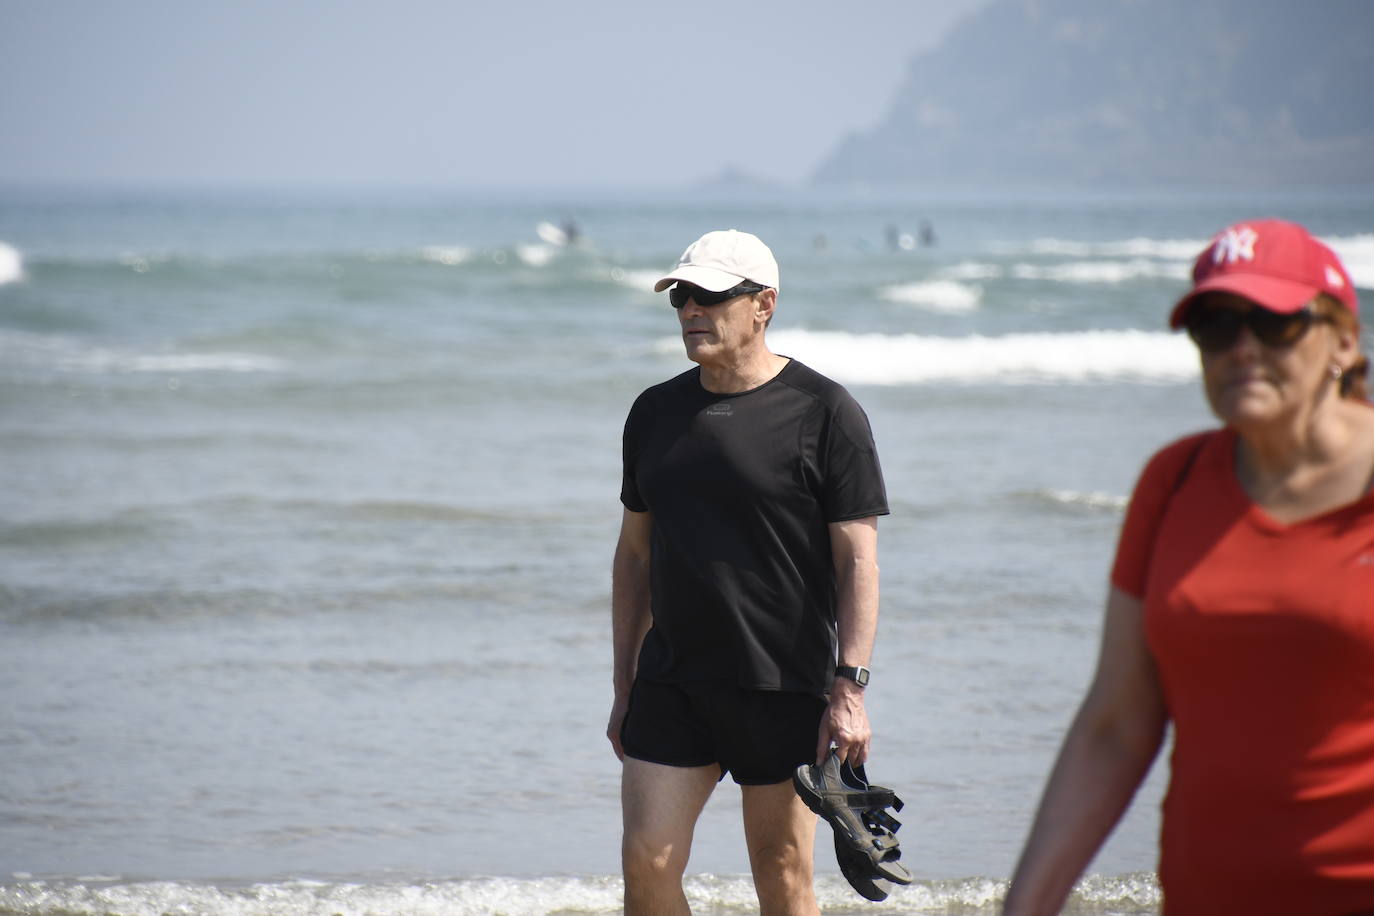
(1303, 470)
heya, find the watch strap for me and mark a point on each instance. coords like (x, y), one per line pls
(856, 673)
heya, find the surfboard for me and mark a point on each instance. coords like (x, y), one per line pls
(551, 234)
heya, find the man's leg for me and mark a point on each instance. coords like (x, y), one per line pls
(780, 832)
(660, 805)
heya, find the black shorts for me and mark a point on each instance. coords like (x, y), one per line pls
(759, 737)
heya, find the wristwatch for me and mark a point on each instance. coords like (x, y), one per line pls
(856, 673)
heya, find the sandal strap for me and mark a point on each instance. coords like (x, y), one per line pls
(873, 798)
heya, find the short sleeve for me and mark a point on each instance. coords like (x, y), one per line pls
(630, 496)
(1158, 481)
(853, 485)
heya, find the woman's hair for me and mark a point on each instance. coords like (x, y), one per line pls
(1353, 379)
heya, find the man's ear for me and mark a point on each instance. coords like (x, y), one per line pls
(764, 304)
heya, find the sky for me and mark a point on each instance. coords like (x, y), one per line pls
(523, 93)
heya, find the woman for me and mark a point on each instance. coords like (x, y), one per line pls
(1241, 610)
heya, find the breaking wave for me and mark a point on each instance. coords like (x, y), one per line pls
(1128, 895)
(935, 295)
(913, 359)
(65, 354)
(11, 264)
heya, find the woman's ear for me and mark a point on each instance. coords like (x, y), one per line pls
(1346, 345)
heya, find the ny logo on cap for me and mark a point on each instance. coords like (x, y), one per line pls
(1235, 244)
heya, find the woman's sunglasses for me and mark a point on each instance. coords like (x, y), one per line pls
(1217, 329)
(681, 292)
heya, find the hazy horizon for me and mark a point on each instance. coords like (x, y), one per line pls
(420, 93)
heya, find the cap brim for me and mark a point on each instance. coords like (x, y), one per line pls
(708, 278)
(1277, 295)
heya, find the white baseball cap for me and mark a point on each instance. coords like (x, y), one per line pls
(722, 259)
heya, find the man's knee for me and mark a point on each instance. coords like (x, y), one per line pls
(648, 857)
(653, 877)
(783, 879)
(784, 861)
(781, 834)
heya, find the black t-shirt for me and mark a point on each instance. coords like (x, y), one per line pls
(742, 488)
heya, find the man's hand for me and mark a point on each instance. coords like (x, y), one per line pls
(618, 710)
(845, 724)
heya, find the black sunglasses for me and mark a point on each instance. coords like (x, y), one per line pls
(1217, 329)
(681, 292)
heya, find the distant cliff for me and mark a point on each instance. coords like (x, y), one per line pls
(1132, 92)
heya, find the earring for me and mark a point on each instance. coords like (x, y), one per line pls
(1336, 372)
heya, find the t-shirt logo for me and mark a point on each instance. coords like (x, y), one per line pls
(723, 409)
(1235, 245)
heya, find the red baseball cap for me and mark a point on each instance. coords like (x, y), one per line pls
(1274, 263)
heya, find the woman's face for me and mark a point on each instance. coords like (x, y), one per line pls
(1251, 383)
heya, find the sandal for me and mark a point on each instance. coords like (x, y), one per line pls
(858, 871)
(865, 834)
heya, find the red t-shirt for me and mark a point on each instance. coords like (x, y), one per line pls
(1263, 635)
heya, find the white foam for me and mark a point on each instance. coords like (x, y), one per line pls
(1094, 499)
(642, 280)
(102, 360)
(1357, 254)
(448, 255)
(11, 264)
(935, 295)
(1166, 249)
(536, 255)
(1012, 359)
(1102, 271)
(972, 270)
(517, 897)
(1355, 251)
(589, 895)
(142, 263)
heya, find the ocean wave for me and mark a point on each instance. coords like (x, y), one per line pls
(306, 263)
(972, 270)
(11, 264)
(912, 359)
(1357, 254)
(1355, 251)
(1091, 500)
(1165, 249)
(447, 255)
(1102, 271)
(536, 255)
(43, 606)
(641, 280)
(112, 361)
(66, 354)
(935, 295)
(1128, 895)
(61, 533)
(390, 511)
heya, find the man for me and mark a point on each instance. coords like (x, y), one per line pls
(747, 557)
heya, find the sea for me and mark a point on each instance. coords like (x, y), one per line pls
(308, 499)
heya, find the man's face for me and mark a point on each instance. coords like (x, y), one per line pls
(719, 334)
